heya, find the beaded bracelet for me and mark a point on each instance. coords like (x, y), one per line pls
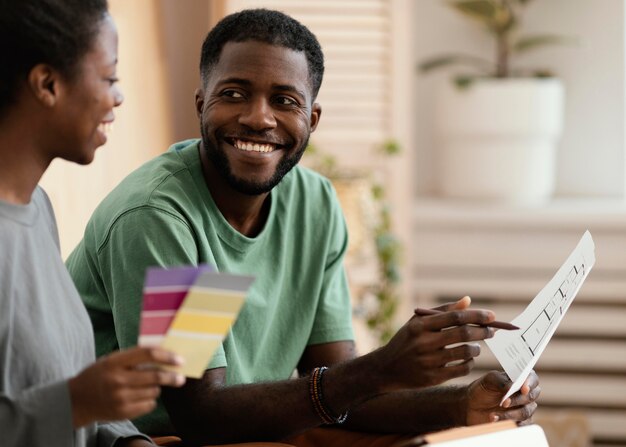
(317, 398)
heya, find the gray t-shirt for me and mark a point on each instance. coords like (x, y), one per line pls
(45, 335)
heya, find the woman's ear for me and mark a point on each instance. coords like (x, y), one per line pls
(43, 83)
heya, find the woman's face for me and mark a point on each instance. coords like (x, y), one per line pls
(85, 111)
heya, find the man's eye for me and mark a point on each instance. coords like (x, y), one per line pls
(232, 94)
(286, 101)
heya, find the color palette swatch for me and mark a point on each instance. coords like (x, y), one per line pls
(189, 310)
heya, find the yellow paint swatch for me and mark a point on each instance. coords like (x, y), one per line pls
(204, 319)
(191, 321)
(217, 301)
(194, 351)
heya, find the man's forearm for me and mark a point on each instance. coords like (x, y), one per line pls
(273, 411)
(254, 412)
(411, 411)
(207, 412)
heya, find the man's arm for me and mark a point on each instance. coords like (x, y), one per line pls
(437, 408)
(208, 411)
(431, 408)
(402, 411)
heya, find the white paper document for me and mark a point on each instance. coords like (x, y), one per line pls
(518, 351)
(529, 435)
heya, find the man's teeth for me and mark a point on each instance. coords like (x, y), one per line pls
(256, 147)
(105, 128)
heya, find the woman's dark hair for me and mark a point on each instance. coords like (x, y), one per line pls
(263, 25)
(54, 32)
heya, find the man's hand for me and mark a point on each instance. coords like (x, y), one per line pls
(484, 396)
(122, 385)
(460, 304)
(420, 354)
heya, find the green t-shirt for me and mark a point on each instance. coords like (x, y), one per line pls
(163, 214)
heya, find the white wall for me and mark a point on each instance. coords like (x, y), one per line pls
(183, 29)
(591, 159)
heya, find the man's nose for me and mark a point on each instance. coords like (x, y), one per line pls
(258, 115)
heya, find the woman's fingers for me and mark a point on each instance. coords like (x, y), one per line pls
(145, 355)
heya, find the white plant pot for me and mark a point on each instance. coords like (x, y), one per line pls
(498, 139)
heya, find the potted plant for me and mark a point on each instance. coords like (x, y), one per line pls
(498, 123)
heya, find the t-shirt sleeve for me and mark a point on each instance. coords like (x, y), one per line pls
(333, 318)
(141, 238)
(109, 265)
(111, 432)
(40, 415)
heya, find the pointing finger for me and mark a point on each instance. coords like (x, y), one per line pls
(458, 318)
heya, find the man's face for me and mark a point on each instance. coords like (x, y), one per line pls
(256, 114)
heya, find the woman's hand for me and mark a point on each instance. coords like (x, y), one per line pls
(122, 385)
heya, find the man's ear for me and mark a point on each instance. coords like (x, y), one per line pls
(43, 82)
(316, 113)
(199, 102)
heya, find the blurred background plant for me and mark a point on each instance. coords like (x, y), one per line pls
(378, 300)
(501, 19)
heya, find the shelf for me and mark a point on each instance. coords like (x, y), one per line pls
(562, 214)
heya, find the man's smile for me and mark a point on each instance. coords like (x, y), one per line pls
(253, 146)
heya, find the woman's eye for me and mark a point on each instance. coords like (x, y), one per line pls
(113, 80)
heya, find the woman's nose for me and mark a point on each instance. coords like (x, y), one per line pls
(118, 97)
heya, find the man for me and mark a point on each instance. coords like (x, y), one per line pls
(237, 200)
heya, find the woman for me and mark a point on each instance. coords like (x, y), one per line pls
(57, 94)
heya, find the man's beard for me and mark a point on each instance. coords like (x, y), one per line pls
(220, 161)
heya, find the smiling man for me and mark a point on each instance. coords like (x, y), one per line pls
(236, 199)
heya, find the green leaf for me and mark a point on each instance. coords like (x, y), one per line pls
(464, 81)
(531, 42)
(454, 59)
(504, 22)
(438, 62)
(378, 192)
(390, 147)
(483, 10)
(311, 149)
(498, 16)
(543, 73)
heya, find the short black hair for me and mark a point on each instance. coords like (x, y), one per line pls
(55, 32)
(268, 26)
